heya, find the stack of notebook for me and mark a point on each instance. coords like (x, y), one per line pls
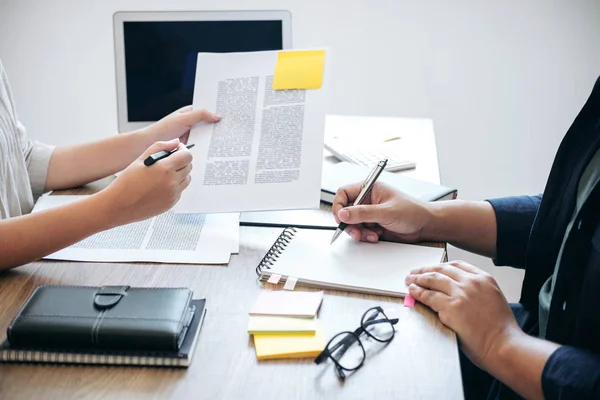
(109, 325)
(345, 173)
(285, 325)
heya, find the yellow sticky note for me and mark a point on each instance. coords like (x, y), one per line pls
(301, 69)
(270, 347)
(281, 325)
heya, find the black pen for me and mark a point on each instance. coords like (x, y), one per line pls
(161, 154)
(369, 182)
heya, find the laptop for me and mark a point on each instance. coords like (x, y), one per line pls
(156, 53)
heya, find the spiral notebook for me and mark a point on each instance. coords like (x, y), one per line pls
(307, 256)
(181, 358)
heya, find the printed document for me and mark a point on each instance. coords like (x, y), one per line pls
(167, 238)
(267, 151)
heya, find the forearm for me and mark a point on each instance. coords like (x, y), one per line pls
(31, 237)
(72, 166)
(519, 364)
(470, 225)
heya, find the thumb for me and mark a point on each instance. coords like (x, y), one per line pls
(192, 117)
(160, 146)
(360, 214)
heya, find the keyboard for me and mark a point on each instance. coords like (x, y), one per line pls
(370, 155)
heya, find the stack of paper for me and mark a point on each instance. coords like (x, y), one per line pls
(168, 238)
(285, 325)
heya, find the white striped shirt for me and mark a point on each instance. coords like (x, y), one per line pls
(23, 163)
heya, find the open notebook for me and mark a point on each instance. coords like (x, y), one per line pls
(375, 268)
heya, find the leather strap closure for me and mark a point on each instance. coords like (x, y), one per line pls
(109, 296)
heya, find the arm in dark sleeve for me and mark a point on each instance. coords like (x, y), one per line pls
(571, 373)
(514, 219)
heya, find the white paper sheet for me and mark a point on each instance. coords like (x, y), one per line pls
(266, 152)
(167, 238)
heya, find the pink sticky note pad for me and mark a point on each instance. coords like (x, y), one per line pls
(287, 303)
(409, 301)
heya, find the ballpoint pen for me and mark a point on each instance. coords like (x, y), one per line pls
(369, 182)
(151, 159)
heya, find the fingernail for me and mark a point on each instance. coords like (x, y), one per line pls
(343, 214)
(412, 287)
(408, 279)
(371, 238)
(217, 117)
(354, 234)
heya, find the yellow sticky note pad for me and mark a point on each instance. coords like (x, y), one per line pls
(301, 69)
(270, 347)
(281, 325)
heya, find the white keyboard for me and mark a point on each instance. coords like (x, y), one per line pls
(370, 155)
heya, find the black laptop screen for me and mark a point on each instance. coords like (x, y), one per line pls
(160, 58)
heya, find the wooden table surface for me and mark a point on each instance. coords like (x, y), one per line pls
(420, 363)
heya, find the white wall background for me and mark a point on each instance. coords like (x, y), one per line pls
(501, 79)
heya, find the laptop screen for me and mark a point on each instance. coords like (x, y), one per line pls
(160, 58)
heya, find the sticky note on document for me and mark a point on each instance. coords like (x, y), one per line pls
(301, 69)
(270, 347)
(286, 303)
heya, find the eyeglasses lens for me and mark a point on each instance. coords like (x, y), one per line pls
(348, 352)
(377, 325)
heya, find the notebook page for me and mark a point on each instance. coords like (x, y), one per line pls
(379, 267)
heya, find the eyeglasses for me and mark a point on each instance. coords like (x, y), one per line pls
(346, 349)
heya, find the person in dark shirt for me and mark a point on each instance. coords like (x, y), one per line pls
(548, 344)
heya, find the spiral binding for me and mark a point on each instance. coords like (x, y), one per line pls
(275, 251)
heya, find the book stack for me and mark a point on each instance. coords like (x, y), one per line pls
(108, 325)
(285, 325)
(346, 173)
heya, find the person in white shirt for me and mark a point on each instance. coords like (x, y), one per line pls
(29, 169)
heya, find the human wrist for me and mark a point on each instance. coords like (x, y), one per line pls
(505, 347)
(464, 223)
(145, 136)
(435, 222)
(519, 361)
(105, 206)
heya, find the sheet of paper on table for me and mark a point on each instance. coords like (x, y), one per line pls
(266, 152)
(168, 238)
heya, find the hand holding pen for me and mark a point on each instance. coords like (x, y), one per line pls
(151, 159)
(150, 185)
(385, 213)
(365, 189)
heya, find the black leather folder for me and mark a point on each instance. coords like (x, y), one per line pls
(103, 318)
